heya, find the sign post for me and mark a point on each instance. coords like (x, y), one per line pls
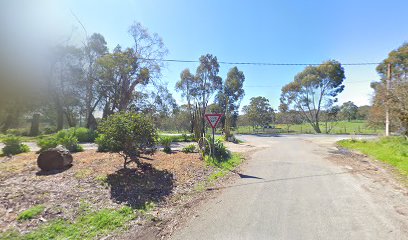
(213, 119)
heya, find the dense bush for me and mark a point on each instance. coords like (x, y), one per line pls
(66, 138)
(49, 130)
(103, 144)
(128, 134)
(220, 151)
(189, 149)
(81, 134)
(166, 141)
(14, 146)
(47, 143)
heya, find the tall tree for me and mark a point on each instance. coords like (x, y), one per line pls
(66, 72)
(229, 98)
(259, 112)
(123, 70)
(94, 48)
(199, 89)
(349, 110)
(208, 82)
(396, 98)
(186, 86)
(314, 89)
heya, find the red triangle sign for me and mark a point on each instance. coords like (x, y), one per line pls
(213, 119)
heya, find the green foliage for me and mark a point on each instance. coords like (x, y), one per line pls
(14, 146)
(31, 212)
(312, 90)
(128, 134)
(166, 141)
(391, 150)
(17, 131)
(66, 138)
(49, 130)
(179, 138)
(349, 110)
(103, 144)
(259, 111)
(224, 166)
(189, 149)
(221, 153)
(47, 143)
(88, 225)
(84, 134)
(185, 137)
(81, 134)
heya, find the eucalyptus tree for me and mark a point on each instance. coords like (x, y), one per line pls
(349, 110)
(199, 89)
(259, 112)
(230, 96)
(123, 70)
(208, 82)
(94, 48)
(314, 89)
(396, 97)
(186, 86)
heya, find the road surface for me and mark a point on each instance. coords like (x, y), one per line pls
(290, 190)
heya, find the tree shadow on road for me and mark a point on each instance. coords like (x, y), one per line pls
(135, 187)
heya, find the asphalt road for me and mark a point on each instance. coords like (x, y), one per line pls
(290, 190)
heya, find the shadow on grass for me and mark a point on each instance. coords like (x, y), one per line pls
(135, 187)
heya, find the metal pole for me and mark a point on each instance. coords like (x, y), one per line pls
(387, 111)
(213, 145)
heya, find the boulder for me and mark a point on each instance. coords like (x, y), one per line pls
(54, 159)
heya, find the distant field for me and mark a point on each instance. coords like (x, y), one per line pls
(341, 127)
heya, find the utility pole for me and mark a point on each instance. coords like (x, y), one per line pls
(387, 110)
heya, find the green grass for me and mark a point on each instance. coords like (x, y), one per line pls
(89, 225)
(223, 167)
(340, 127)
(31, 213)
(391, 150)
(178, 138)
(23, 138)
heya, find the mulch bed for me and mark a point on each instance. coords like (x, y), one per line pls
(95, 178)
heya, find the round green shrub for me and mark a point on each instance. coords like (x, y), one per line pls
(14, 146)
(166, 141)
(128, 134)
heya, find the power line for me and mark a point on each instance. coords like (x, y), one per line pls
(261, 63)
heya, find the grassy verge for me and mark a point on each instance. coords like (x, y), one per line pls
(88, 225)
(391, 150)
(222, 169)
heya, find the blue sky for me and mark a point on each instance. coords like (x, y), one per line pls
(257, 31)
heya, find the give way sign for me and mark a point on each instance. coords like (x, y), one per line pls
(213, 119)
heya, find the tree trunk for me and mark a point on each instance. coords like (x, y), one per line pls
(35, 125)
(91, 122)
(316, 127)
(60, 115)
